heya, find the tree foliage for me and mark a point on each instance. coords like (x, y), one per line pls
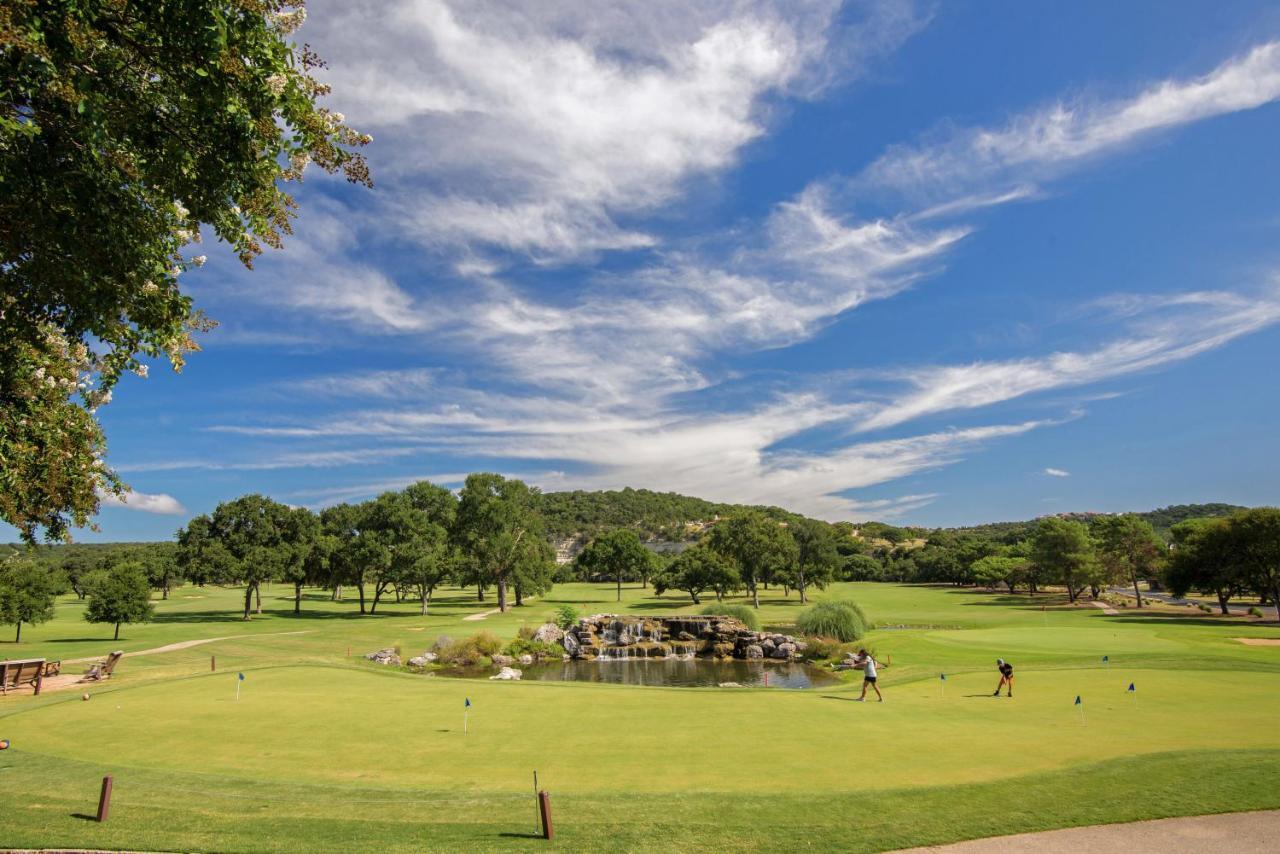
(760, 547)
(126, 127)
(27, 594)
(122, 597)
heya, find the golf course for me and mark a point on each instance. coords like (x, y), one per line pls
(318, 749)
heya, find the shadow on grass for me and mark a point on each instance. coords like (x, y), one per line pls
(84, 817)
(846, 699)
(520, 835)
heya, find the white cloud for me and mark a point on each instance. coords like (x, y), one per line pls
(159, 503)
(1067, 131)
(544, 123)
(1167, 329)
(1052, 472)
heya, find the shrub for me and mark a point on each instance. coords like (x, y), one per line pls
(526, 632)
(820, 649)
(566, 616)
(538, 649)
(471, 650)
(842, 620)
(1205, 608)
(442, 643)
(747, 615)
(1255, 611)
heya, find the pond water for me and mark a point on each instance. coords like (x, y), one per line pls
(670, 672)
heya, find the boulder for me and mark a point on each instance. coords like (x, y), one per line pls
(442, 642)
(571, 645)
(507, 673)
(501, 660)
(384, 656)
(423, 660)
(784, 650)
(526, 659)
(754, 651)
(767, 645)
(548, 633)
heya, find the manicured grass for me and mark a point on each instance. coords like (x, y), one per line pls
(326, 753)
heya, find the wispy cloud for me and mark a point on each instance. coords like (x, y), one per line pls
(1070, 131)
(1165, 329)
(1052, 472)
(159, 503)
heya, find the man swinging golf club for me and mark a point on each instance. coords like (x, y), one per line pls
(1006, 676)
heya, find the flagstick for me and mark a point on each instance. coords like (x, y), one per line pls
(1082, 720)
(237, 690)
(465, 711)
(537, 812)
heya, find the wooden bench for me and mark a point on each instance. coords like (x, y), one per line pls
(20, 672)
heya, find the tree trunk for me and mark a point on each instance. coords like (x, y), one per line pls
(117, 636)
(619, 586)
(257, 592)
(248, 599)
(297, 597)
(755, 595)
(502, 595)
(18, 639)
(1136, 591)
(801, 587)
(1223, 596)
(479, 591)
(696, 600)
(426, 599)
(378, 589)
(1010, 584)
(519, 596)
(164, 591)
(360, 587)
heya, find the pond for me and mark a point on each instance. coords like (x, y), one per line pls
(670, 673)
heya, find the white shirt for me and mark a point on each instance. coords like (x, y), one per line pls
(869, 668)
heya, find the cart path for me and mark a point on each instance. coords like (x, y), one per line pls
(1240, 833)
(471, 618)
(174, 647)
(1106, 609)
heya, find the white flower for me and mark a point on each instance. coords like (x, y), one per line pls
(276, 83)
(176, 272)
(299, 161)
(199, 260)
(338, 117)
(184, 235)
(142, 370)
(287, 22)
(181, 210)
(150, 287)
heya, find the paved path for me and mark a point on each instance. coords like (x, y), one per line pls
(471, 618)
(1238, 833)
(1238, 608)
(1106, 609)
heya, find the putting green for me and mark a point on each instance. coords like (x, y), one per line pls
(333, 725)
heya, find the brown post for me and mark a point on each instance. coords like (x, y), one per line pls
(39, 678)
(104, 800)
(213, 662)
(544, 806)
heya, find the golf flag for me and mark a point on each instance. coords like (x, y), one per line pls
(239, 679)
(943, 683)
(466, 709)
(1078, 703)
(942, 676)
(1106, 659)
(1131, 688)
(240, 676)
(466, 703)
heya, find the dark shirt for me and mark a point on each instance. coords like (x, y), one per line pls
(1006, 670)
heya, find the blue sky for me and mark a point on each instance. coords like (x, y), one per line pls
(932, 264)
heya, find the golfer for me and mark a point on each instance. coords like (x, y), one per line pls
(1006, 676)
(868, 665)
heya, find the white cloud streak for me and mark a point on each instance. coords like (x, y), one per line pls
(1052, 472)
(1071, 131)
(143, 502)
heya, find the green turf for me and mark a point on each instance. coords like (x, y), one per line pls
(325, 752)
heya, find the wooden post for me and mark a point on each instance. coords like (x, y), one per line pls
(544, 806)
(213, 662)
(39, 677)
(104, 800)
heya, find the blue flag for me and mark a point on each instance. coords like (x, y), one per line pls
(942, 676)
(1131, 688)
(241, 676)
(1077, 699)
(467, 703)
(1106, 658)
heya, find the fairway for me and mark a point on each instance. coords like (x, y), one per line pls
(324, 746)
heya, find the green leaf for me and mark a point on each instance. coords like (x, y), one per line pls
(200, 72)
